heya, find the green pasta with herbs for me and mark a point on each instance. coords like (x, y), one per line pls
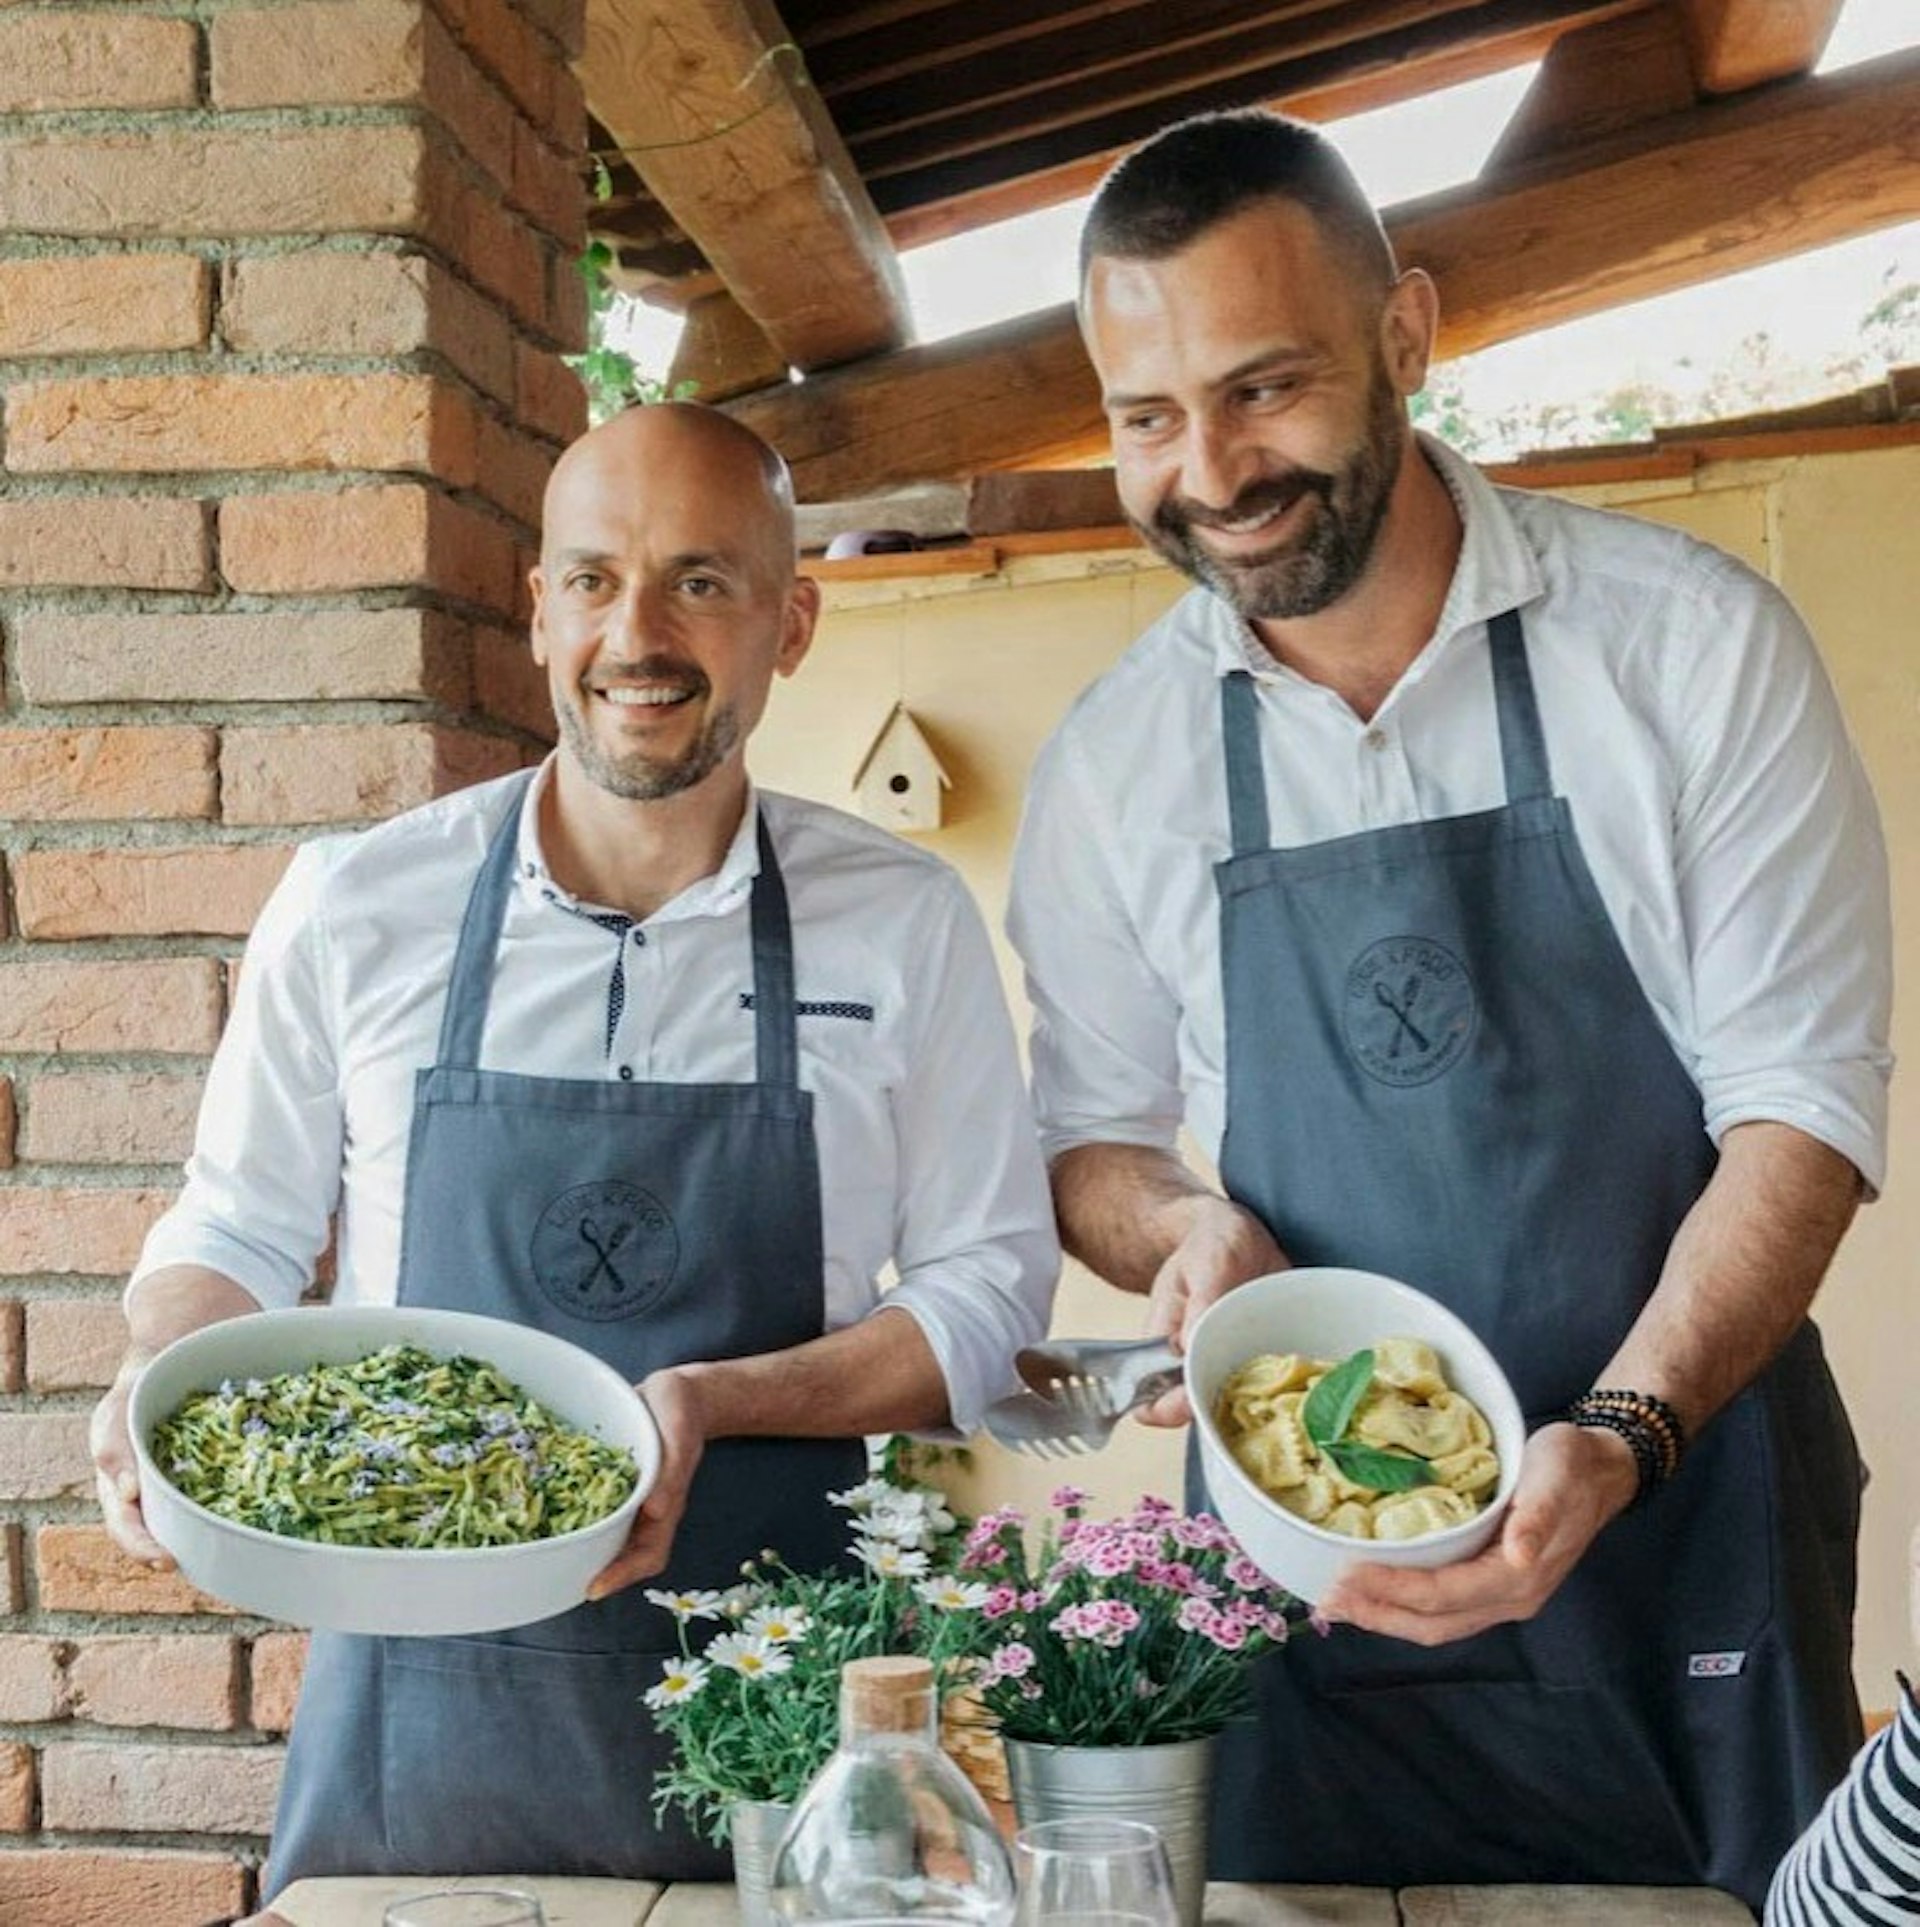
(399, 1450)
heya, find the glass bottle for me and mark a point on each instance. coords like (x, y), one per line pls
(891, 1831)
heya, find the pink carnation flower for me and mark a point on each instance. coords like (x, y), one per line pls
(1011, 1661)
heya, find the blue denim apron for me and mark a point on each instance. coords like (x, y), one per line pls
(1441, 1066)
(651, 1224)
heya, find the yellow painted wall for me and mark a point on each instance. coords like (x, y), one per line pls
(989, 664)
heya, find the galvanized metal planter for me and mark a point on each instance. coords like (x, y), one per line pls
(1165, 1786)
(755, 1826)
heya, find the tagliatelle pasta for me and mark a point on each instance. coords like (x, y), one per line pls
(399, 1450)
(1407, 1407)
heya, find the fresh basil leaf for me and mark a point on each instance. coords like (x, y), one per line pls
(1331, 1404)
(1382, 1471)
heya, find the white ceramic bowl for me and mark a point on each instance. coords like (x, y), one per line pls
(1328, 1312)
(364, 1589)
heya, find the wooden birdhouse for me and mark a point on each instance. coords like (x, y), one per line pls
(899, 780)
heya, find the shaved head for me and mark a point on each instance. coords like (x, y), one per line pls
(667, 597)
(655, 439)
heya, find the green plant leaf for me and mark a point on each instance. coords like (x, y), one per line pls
(1382, 1471)
(1332, 1403)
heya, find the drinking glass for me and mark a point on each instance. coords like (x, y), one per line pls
(1093, 1873)
(466, 1907)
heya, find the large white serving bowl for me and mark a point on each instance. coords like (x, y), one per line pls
(1329, 1312)
(362, 1589)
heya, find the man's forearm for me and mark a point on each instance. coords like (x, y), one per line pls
(1742, 1270)
(1123, 1208)
(177, 1299)
(879, 1375)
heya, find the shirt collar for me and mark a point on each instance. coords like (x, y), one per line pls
(710, 896)
(1496, 571)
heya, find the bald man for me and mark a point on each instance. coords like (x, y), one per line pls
(625, 1050)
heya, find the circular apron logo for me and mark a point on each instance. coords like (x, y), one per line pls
(605, 1250)
(1409, 1010)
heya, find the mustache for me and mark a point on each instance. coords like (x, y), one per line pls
(1177, 515)
(655, 668)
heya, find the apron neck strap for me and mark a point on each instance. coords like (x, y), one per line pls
(1523, 743)
(1246, 781)
(470, 983)
(775, 1026)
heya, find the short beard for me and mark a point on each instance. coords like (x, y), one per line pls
(1310, 571)
(639, 778)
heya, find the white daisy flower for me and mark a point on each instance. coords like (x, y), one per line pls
(737, 1601)
(688, 1605)
(953, 1595)
(680, 1679)
(749, 1655)
(890, 1561)
(857, 1498)
(895, 1526)
(779, 1624)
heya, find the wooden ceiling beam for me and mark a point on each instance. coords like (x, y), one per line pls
(1743, 43)
(1074, 117)
(1682, 199)
(721, 353)
(1597, 81)
(993, 29)
(708, 101)
(661, 264)
(959, 213)
(1068, 82)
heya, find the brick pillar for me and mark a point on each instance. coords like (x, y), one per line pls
(283, 290)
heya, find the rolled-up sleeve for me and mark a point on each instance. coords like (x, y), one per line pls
(1782, 874)
(264, 1176)
(1105, 1046)
(975, 1250)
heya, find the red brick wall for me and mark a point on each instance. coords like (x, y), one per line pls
(283, 290)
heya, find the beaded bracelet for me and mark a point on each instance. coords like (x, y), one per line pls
(1654, 1412)
(1651, 1428)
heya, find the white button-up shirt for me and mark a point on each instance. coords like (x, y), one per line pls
(1720, 804)
(928, 1159)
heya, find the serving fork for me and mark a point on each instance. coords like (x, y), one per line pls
(1078, 1390)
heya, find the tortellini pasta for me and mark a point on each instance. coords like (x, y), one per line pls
(1407, 1406)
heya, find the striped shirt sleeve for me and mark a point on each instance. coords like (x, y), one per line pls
(1858, 1864)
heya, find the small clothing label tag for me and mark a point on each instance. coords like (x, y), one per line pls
(1715, 1665)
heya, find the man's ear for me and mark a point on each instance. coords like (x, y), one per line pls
(536, 629)
(797, 623)
(1409, 322)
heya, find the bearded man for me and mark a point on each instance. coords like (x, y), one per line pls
(1490, 887)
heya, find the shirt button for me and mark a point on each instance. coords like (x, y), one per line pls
(1375, 739)
(640, 939)
(626, 1073)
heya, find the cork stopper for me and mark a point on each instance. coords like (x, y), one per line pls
(891, 1694)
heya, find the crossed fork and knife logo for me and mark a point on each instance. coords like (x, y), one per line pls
(603, 1247)
(1403, 1025)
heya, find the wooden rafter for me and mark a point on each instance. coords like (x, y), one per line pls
(1743, 43)
(1362, 67)
(1596, 81)
(1056, 112)
(1685, 197)
(707, 99)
